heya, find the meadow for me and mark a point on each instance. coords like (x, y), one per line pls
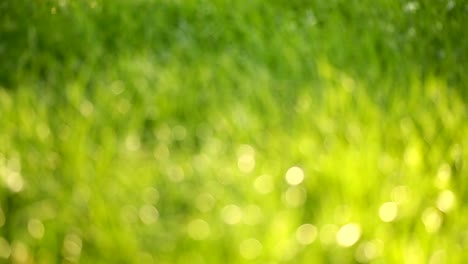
(215, 131)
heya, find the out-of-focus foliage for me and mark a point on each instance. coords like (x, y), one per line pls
(233, 131)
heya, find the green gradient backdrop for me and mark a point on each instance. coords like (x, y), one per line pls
(165, 131)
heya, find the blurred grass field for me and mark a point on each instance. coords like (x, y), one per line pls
(233, 131)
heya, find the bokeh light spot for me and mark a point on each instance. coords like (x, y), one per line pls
(438, 257)
(328, 234)
(348, 235)
(148, 214)
(163, 133)
(86, 108)
(43, 131)
(295, 196)
(198, 229)
(263, 184)
(205, 202)
(132, 143)
(175, 174)
(250, 248)
(231, 214)
(129, 214)
(388, 211)
(411, 7)
(368, 251)
(72, 246)
(306, 234)
(117, 87)
(413, 157)
(432, 219)
(246, 158)
(161, 152)
(400, 194)
(151, 195)
(444, 175)
(123, 106)
(294, 175)
(36, 228)
(446, 201)
(11, 176)
(20, 252)
(5, 249)
(253, 215)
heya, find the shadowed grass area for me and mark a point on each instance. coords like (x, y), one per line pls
(233, 132)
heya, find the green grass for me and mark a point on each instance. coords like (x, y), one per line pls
(163, 131)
